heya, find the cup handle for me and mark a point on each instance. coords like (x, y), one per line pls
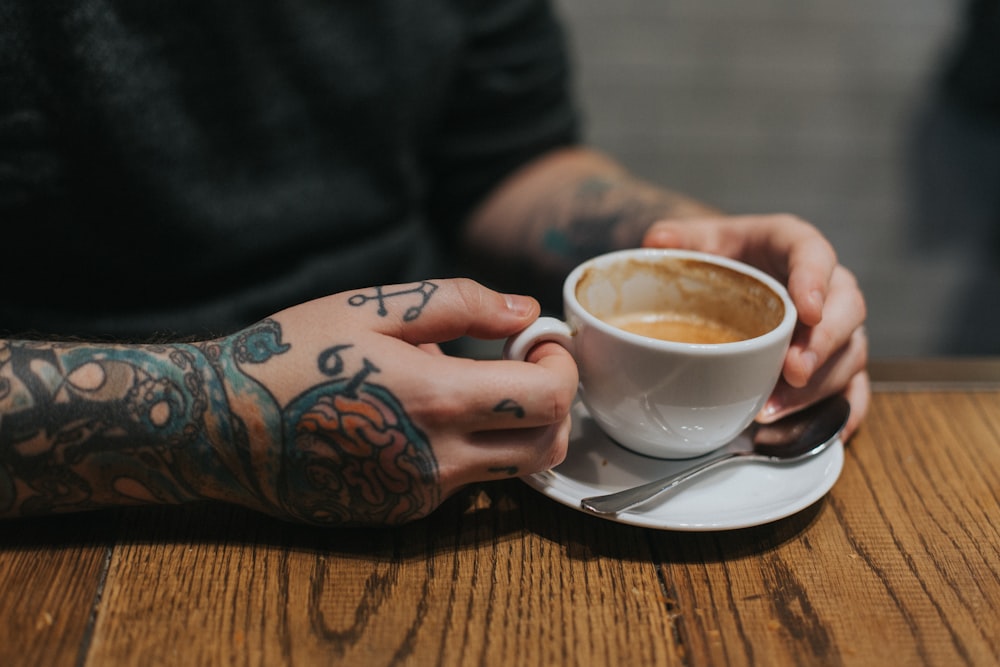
(541, 330)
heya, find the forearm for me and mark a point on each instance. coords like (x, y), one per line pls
(277, 417)
(85, 426)
(564, 208)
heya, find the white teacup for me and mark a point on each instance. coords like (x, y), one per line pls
(665, 398)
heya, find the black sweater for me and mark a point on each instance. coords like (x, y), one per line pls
(189, 167)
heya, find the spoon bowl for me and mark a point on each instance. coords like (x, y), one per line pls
(794, 438)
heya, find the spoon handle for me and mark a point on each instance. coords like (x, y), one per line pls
(620, 501)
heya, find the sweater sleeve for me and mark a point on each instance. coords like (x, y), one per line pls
(510, 101)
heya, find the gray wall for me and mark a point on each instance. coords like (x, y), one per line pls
(785, 105)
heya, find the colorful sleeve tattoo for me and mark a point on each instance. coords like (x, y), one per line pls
(85, 426)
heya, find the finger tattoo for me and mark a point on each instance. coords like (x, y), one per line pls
(510, 405)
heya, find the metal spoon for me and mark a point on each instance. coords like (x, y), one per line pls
(793, 438)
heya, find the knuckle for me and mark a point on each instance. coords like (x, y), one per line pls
(470, 294)
(828, 248)
(557, 453)
(560, 396)
(824, 246)
(792, 219)
(793, 222)
(861, 306)
(440, 407)
(860, 338)
(560, 406)
(853, 288)
(823, 339)
(847, 276)
(559, 446)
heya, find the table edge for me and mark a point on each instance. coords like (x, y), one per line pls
(935, 374)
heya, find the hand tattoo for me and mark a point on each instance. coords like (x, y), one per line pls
(510, 405)
(425, 289)
(353, 448)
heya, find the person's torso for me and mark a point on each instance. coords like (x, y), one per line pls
(172, 161)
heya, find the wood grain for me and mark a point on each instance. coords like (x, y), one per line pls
(899, 564)
(51, 575)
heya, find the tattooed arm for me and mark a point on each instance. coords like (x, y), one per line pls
(561, 210)
(331, 412)
(575, 203)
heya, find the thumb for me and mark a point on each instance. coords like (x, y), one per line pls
(452, 308)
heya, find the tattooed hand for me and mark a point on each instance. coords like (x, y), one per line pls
(338, 411)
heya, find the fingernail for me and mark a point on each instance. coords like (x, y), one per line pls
(518, 304)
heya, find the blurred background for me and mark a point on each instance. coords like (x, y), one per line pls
(831, 110)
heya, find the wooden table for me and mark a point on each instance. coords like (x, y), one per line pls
(898, 565)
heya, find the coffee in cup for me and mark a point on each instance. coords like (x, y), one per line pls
(677, 350)
(679, 327)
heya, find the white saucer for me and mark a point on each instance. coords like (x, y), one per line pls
(736, 495)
